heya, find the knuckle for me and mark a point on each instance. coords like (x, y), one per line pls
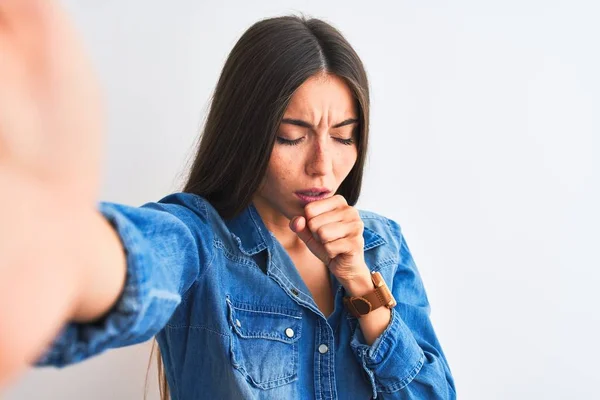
(330, 251)
(361, 242)
(353, 213)
(323, 234)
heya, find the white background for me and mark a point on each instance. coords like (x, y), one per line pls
(485, 145)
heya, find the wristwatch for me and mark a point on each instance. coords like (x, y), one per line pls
(380, 296)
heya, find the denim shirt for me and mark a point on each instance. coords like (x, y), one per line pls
(234, 319)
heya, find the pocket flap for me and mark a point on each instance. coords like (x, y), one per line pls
(260, 321)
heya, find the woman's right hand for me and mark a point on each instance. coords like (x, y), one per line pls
(50, 115)
(52, 241)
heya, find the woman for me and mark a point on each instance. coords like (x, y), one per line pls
(260, 279)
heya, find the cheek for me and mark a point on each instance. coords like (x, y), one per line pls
(279, 171)
(347, 159)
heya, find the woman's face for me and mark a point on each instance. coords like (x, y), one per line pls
(315, 147)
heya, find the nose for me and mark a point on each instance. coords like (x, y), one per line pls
(320, 160)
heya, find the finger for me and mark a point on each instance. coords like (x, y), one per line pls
(337, 247)
(25, 29)
(18, 13)
(19, 119)
(298, 225)
(338, 230)
(344, 214)
(315, 208)
(35, 44)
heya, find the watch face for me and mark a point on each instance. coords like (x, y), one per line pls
(362, 306)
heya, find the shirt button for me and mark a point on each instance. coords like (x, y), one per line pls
(323, 349)
(289, 332)
(238, 323)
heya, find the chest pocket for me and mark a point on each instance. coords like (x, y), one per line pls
(264, 342)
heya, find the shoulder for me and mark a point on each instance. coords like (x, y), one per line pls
(178, 202)
(186, 205)
(387, 228)
(194, 211)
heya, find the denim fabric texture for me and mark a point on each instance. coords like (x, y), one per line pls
(234, 319)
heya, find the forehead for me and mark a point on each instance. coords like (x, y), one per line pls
(322, 95)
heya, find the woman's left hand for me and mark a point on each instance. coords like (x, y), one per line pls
(333, 231)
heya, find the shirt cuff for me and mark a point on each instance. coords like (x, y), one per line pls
(393, 360)
(79, 341)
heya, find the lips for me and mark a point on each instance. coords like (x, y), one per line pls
(312, 194)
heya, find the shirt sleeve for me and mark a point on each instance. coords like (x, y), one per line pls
(406, 361)
(168, 245)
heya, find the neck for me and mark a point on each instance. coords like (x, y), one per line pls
(279, 225)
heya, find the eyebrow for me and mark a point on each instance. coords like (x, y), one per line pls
(304, 124)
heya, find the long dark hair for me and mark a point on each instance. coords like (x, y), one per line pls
(264, 69)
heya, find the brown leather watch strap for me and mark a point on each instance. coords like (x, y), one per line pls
(380, 296)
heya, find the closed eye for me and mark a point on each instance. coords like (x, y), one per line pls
(347, 142)
(289, 142)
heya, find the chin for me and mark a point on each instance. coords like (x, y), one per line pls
(292, 209)
(292, 212)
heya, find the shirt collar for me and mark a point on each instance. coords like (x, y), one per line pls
(249, 231)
